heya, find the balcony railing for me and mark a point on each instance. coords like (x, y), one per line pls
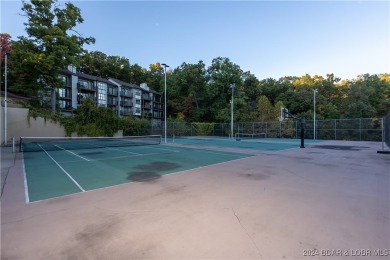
(86, 86)
(126, 103)
(126, 94)
(67, 95)
(112, 102)
(147, 106)
(146, 97)
(112, 93)
(81, 99)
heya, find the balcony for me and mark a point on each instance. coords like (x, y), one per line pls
(82, 98)
(146, 97)
(126, 103)
(88, 86)
(112, 93)
(126, 94)
(112, 102)
(147, 106)
(157, 115)
(157, 107)
(66, 95)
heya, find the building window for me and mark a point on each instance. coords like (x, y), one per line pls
(102, 97)
(138, 102)
(112, 91)
(64, 104)
(102, 86)
(62, 92)
(102, 93)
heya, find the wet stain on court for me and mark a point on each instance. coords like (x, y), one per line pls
(150, 172)
(142, 176)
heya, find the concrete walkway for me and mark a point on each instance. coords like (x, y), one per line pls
(7, 159)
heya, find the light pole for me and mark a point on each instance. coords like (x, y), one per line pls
(5, 98)
(165, 101)
(232, 86)
(314, 92)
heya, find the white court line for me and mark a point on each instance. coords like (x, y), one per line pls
(70, 177)
(175, 151)
(25, 181)
(72, 153)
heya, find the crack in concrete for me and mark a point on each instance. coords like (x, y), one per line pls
(247, 233)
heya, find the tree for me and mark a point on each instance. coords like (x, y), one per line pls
(95, 63)
(264, 109)
(155, 77)
(220, 75)
(49, 46)
(187, 92)
(5, 45)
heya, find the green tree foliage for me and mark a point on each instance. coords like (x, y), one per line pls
(187, 91)
(99, 64)
(264, 109)
(90, 120)
(5, 45)
(155, 77)
(204, 129)
(220, 75)
(49, 47)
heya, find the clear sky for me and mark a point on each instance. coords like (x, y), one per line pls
(269, 39)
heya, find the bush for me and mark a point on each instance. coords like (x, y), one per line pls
(204, 129)
(133, 127)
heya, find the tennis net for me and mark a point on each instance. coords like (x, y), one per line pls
(240, 136)
(33, 144)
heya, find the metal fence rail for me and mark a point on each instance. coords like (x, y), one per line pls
(361, 129)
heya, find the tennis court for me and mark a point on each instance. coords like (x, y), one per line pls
(228, 202)
(56, 168)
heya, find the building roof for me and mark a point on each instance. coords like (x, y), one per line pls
(125, 84)
(94, 78)
(67, 72)
(110, 81)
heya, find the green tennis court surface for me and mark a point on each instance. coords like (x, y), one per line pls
(56, 173)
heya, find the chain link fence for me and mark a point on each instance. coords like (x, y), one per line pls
(361, 129)
(386, 130)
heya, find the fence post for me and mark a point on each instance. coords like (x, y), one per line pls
(335, 129)
(280, 129)
(360, 129)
